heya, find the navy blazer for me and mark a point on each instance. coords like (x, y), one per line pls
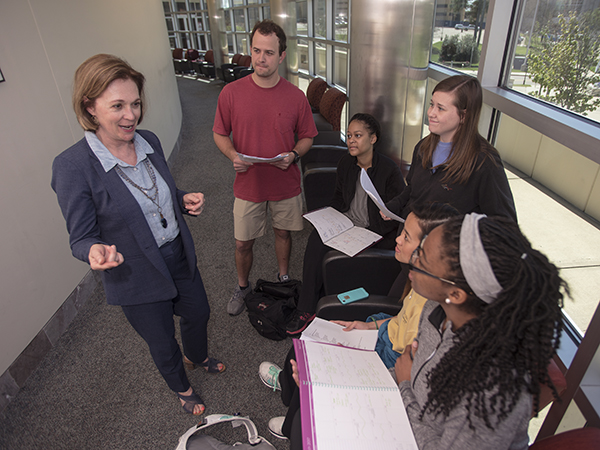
(99, 208)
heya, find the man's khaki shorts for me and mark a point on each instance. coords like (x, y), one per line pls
(250, 219)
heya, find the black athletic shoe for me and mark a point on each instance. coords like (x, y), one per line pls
(299, 322)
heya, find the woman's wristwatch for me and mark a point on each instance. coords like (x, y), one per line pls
(296, 157)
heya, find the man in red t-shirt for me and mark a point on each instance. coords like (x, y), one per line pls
(263, 113)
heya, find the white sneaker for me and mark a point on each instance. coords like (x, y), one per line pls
(269, 374)
(275, 425)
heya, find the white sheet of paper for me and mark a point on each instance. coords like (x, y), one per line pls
(329, 222)
(258, 159)
(353, 241)
(321, 330)
(367, 185)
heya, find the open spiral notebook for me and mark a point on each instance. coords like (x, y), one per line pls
(349, 400)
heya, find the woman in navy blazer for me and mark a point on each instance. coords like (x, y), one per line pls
(124, 215)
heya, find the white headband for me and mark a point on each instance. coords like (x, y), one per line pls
(474, 262)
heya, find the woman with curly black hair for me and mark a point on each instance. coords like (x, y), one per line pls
(485, 337)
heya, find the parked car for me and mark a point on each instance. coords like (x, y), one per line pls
(460, 26)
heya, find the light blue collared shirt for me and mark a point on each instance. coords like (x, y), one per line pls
(139, 175)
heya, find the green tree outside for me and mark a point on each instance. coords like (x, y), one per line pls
(564, 63)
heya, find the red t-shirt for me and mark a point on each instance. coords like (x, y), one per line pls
(263, 122)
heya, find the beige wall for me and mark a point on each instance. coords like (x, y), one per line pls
(577, 180)
(41, 44)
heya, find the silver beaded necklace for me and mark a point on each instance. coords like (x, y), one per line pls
(154, 197)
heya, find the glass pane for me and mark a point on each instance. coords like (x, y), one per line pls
(556, 55)
(458, 34)
(238, 2)
(340, 66)
(253, 2)
(172, 42)
(303, 55)
(193, 22)
(242, 43)
(202, 45)
(302, 18)
(266, 12)
(169, 23)
(230, 43)
(166, 6)
(239, 19)
(199, 24)
(181, 6)
(340, 12)
(320, 18)
(182, 23)
(253, 17)
(321, 59)
(183, 40)
(227, 21)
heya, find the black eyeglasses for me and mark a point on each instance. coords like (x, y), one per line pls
(413, 259)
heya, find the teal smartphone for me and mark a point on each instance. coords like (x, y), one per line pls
(353, 295)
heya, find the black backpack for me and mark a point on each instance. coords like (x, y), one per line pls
(271, 306)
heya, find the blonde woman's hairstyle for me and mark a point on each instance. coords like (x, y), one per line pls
(92, 78)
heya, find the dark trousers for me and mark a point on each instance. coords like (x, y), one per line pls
(290, 395)
(312, 273)
(154, 321)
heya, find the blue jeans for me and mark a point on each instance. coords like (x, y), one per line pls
(384, 346)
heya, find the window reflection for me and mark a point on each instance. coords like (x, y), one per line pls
(302, 18)
(303, 55)
(320, 18)
(321, 59)
(340, 13)
(340, 66)
(239, 19)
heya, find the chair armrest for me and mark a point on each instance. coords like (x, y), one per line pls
(330, 308)
(374, 269)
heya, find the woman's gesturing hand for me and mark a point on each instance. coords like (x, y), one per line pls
(102, 257)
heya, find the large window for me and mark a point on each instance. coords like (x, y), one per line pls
(240, 18)
(555, 54)
(553, 51)
(187, 24)
(322, 32)
(536, 98)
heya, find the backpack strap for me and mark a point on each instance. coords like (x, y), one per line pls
(211, 419)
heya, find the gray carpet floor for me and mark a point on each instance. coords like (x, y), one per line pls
(98, 387)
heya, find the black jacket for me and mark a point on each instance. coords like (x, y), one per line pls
(486, 192)
(387, 179)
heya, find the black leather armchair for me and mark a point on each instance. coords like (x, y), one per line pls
(374, 269)
(319, 167)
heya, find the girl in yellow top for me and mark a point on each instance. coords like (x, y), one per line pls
(395, 333)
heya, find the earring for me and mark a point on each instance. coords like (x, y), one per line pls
(448, 301)
(95, 119)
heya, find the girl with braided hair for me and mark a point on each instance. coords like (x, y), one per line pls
(493, 321)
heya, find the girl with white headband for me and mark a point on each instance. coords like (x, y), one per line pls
(493, 321)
